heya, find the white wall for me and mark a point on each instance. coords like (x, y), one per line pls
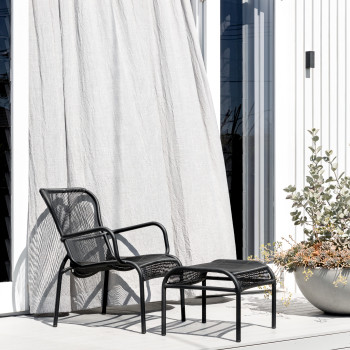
(301, 102)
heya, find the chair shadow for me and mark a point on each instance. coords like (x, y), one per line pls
(212, 328)
(124, 322)
(119, 310)
(126, 317)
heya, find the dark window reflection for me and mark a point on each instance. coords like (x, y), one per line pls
(247, 119)
(231, 109)
(5, 141)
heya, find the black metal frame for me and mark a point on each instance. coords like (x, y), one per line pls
(229, 277)
(118, 263)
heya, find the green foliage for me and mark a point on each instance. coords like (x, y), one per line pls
(322, 206)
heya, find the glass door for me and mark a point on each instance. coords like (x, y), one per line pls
(247, 118)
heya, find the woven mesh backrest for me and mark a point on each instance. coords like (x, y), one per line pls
(75, 210)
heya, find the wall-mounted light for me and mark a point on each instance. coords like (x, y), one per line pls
(310, 59)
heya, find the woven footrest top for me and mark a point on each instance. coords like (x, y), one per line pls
(248, 273)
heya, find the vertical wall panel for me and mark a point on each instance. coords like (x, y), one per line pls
(324, 71)
(341, 100)
(286, 32)
(308, 20)
(299, 76)
(317, 75)
(333, 75)
(258, 222)
(319, 98)
(347, 84)
(309, 74)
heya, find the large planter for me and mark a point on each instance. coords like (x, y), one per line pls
(320, 291)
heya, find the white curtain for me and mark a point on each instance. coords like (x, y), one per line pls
(120, 104)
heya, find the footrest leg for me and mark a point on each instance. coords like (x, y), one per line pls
(204, 303)
(274, 305)
(163, 311)
(142, 306)
(238, 317)
(182, 298)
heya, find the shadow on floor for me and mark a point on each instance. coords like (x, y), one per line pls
(213, 328)
(111, 310)
(198, 300)
(128, 318)
(135, 309)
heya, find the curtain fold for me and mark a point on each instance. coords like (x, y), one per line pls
(120, 104)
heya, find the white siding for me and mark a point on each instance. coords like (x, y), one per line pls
(301, 102)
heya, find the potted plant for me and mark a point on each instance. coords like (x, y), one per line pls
(321, 263)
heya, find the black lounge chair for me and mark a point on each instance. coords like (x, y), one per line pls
(92, 248)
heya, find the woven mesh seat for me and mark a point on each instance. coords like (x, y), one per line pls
(187, 277)
(243, 274)
(248, 273)
(92, 248)
(151, 265)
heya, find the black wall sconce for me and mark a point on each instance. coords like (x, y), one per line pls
(310, 59)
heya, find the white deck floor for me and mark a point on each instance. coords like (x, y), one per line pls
(299, 326)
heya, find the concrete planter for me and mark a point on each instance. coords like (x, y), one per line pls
(320, 291)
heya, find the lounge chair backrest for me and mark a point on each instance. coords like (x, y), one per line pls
(75, 210)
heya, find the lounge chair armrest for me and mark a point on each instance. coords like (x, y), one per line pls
(146, 224)
(101, 231)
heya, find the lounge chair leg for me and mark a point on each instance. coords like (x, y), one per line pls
(238, 317)
(105, 292)
(182, 298)
(58, 291)
(163, 311)
(204, 302)
(274, 305)
(142, 304)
